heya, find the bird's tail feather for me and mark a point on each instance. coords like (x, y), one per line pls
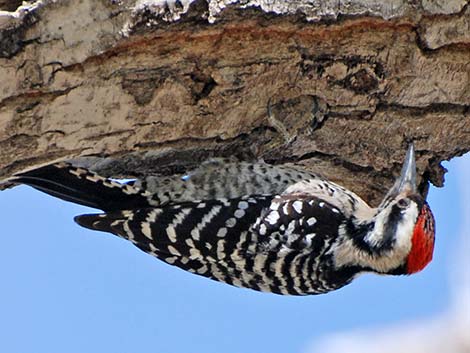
(100, 222)
(81, 186)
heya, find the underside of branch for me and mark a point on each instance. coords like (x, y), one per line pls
(340, 88)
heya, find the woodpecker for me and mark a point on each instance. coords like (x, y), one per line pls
(253, 225)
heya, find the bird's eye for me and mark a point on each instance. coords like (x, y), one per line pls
(403, 203)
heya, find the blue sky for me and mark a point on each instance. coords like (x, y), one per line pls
(66, 289)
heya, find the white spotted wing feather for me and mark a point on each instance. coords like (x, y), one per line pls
(258, 242)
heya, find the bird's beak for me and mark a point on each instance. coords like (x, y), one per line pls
(406, 183)
(407, 180)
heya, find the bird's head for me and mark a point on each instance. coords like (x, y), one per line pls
(404, 224)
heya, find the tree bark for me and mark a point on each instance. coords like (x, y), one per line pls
(340, 87)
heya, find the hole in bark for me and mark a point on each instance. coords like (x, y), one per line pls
(142, 91)
(203, 85)
(297, 113)
(361, 82)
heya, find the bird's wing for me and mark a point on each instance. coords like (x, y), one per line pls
(249, 242)
(298, 222)
(190, 235)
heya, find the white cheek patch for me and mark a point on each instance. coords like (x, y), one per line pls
(348, 254)
(375, 237)
(406, 227)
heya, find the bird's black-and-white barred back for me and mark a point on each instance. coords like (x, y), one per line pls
(214, 179)
(222, 178)
(256, 241)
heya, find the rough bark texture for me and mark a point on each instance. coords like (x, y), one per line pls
(160, 87)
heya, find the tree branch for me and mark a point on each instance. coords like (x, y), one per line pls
(146, 88)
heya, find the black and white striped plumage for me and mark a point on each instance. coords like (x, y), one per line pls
(257, 226)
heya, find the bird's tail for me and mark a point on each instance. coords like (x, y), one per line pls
(81, 186)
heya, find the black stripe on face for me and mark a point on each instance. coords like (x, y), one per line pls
(359, 232)
(390, 228)
(395, 217)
